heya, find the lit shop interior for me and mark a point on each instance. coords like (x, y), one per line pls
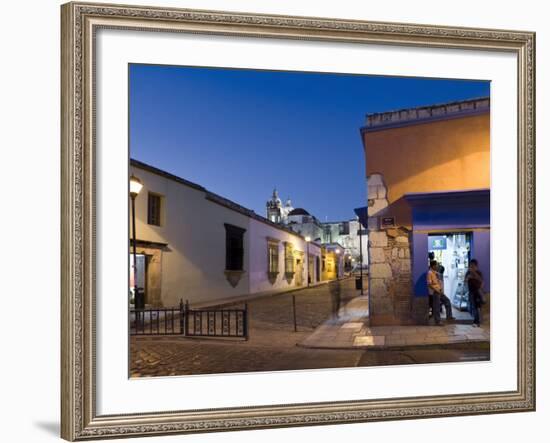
(452, 251)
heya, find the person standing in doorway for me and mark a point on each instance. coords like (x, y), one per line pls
(474, 281)
(435, 289)
(431, 257)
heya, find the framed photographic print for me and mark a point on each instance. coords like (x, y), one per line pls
(282, 221)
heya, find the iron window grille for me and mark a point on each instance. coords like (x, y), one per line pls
(273, 257)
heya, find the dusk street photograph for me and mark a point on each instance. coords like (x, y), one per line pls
(304, 220)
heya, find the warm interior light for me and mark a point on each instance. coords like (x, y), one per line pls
(135, 185)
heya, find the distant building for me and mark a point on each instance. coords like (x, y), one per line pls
(347, 233)
(428, 179)
(195, 245)
(344, 233)
(302, 222)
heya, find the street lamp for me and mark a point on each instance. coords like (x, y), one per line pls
(135, 187)
(308, 239)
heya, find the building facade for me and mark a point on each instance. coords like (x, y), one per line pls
(352, 236)
(198, 246)
(428, 181)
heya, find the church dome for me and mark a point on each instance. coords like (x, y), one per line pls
(298, 211)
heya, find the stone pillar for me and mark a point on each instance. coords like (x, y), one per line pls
(377, 198)
(389, 251)
(400, 261)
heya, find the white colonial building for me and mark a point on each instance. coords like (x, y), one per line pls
(195, 245)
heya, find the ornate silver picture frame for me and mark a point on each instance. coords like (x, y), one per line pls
(80, 23)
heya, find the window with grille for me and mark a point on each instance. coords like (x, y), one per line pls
(289, 258)
(344, 228)
(234, 247)
(154, 203)
(272, 257)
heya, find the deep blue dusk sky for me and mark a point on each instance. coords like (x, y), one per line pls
(239, 133)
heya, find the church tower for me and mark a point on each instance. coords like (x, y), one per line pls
(275, 211)
(273, 208)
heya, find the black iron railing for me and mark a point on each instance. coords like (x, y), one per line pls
(156, 321)
(184, 321)
(217, 323)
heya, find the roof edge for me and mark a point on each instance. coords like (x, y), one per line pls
(426, 114)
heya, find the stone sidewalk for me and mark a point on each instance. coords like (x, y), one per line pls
(350, 331)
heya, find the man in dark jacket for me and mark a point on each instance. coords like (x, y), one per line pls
(474, 281)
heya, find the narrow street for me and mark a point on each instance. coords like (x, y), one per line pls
(272, 343)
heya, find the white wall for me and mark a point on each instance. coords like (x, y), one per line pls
(259, 231)
(193, 264)
(30, 150)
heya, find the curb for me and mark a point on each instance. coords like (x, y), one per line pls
(456, 344)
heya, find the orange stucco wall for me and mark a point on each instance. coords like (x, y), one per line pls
(437, 156)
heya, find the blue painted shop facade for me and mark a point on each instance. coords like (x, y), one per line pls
(455, 227)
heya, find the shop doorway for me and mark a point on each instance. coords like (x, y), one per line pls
(317, 269)
(299, 272)
(139, 278)
(452, 251)
(310, 269)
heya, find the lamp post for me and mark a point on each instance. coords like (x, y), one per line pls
(337, 263)
(135, 187)
(308, 239)
(360, 232)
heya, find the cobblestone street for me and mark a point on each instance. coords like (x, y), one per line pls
(272, 343)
